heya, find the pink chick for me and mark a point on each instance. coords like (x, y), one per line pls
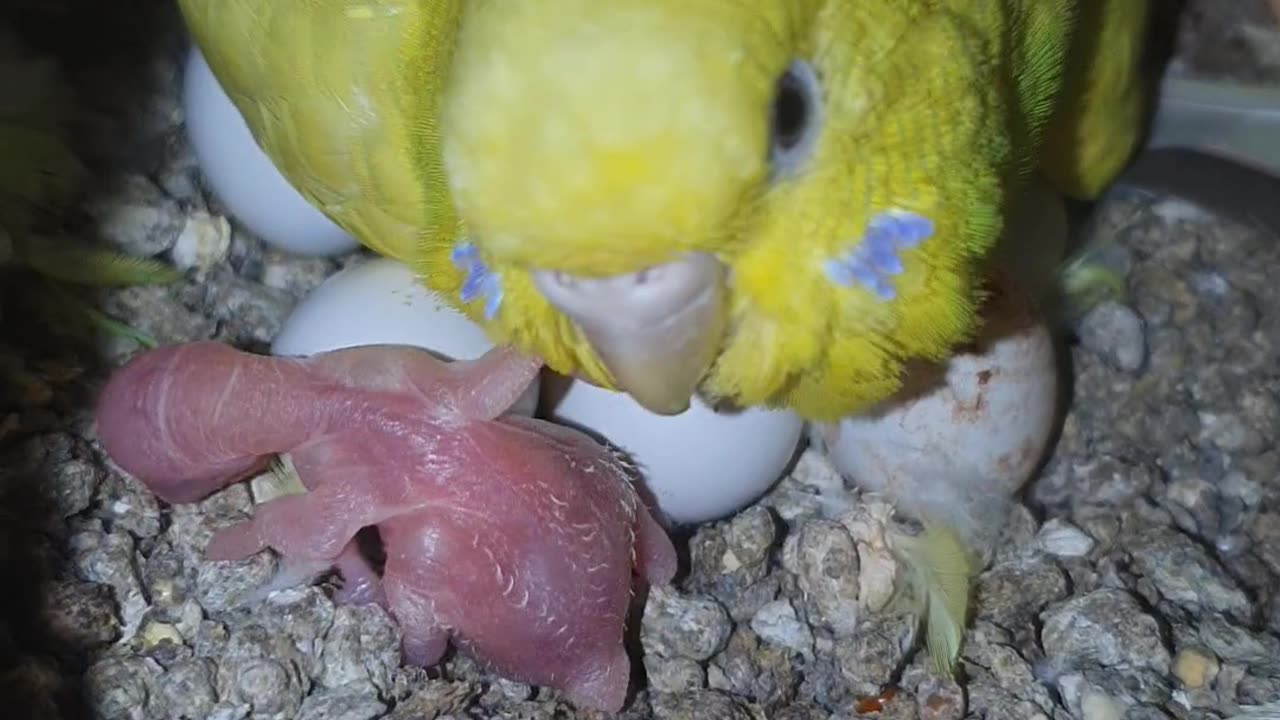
(514, 537)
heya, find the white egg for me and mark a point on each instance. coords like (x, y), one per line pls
(244, 178)
(382, 301)
(977, 428)
(698, 466)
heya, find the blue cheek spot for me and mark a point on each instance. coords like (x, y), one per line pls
(481, 282)
(877, 257)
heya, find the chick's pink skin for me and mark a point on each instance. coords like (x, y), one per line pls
(514, 537)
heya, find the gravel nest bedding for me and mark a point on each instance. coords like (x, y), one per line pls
(1237, 39)
(1141, 580)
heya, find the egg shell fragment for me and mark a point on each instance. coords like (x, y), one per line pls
(966, 433)
(244, 178)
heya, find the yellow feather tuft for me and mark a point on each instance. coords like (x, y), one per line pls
(940, 570)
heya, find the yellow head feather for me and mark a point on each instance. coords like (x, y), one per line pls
(626, 132)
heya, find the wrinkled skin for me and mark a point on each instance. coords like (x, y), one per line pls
(515, 537)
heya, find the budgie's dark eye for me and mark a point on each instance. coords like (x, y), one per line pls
(795, 118)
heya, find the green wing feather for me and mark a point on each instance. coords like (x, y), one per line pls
(39, 170)
(81, 264)
(40, 173)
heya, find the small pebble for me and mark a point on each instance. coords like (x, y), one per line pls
(203, 242)
(127, 504)
(222, 586)
(124, 689)
(263, 684)
(1013, 593)
(674, 675)
(758, 671)
(824, 559)
(807, 492)
(1061, 538)
(108, 558)
(257, 310)
(778, 624)
(361, 648)
(701, 705)
(876, 652)
(187, 687)
(688, 626)
(74, 483)
(153, 310)
(1106, 626)
(739, 547)
(1195, 669)
(1234, 644)
(341, 704)
(82, 613)
(1230, 432)
(137, 217)
(435, 699)
(1097, 706)
(294, 275)
(878, 569)
(229, 711)
(261, 668)
(940, 699)
(158, 639)
(1185, 574)
(513, 690)
(180, 175)
(1116, 333)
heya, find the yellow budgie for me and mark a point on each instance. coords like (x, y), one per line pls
(776, 204)
(786, 203)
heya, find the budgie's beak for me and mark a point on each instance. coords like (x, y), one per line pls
(656, 331)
